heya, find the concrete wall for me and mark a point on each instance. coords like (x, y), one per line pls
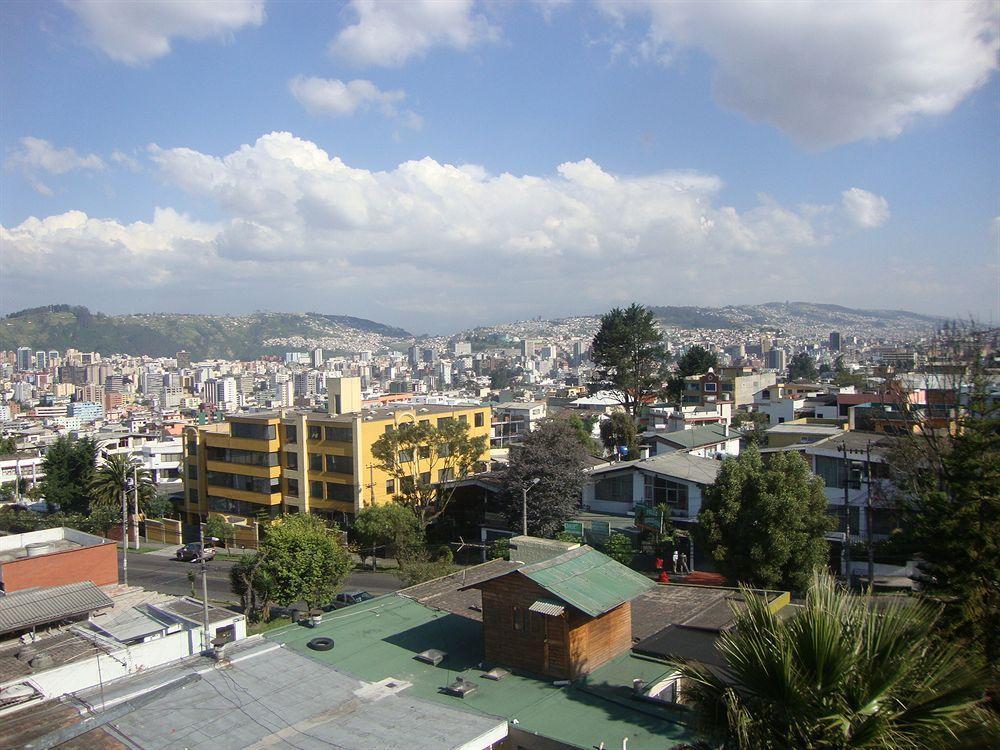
(98, 564)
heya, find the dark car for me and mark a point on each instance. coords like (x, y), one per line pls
(347, 598)
(192, 553)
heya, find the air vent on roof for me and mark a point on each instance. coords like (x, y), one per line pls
(497, 674)
(460, 688)
(431, 656)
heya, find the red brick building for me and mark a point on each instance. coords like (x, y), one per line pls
(55, 557)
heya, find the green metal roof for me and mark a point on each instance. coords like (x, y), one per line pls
(588, 580)
(380, 638)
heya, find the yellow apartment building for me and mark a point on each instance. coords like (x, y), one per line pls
(299, 461)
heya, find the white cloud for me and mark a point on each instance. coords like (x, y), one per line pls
(344, 238)
(37, 155)
(125, 160)
(334, 98)
(828, 72)
(390, 34)
(135, 32)
(865, 209)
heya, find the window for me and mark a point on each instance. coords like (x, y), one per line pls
(315, 432)
(517, 617)
(444, 450)
(340, 464)
(341, 492)
(315, 462)
(480, 419)
(292, 460)
(406, 485)
(711, 387)
(390, 486)
(442, 421)
(340, 434)
(406, 456)
(425, 478)
(832, 471)
(425, 422)
(192, 471)
(615, 489)
(259, 485)
(239, 456)
(252, 431)
(446, 475)
(291, 433)
(292, 486)
(388, 428)
(463, 418)
(660, 491)
(316, 490)
(425, 451)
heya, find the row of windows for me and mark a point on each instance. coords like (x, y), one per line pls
(318, 432)
(240, 507)
(479, 419)
(322, 490)
(330, 463)
(239, 456)
(252, 431)
(260, 485)
(660, 491)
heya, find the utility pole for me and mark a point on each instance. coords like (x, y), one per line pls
(135, 503)
(204, 586)
(847, 513)
(868, 518)
(124, 536)
(524, 504)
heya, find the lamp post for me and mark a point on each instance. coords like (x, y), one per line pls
(524, 504)
(206, 641)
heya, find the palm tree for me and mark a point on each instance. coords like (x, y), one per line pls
(845, 671)
(115, 478)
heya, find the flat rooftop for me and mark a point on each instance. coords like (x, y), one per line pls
(382, 637)
(45, 542)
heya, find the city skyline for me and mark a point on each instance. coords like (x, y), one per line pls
(497, 162)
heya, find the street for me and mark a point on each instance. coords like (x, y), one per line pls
(170, 576)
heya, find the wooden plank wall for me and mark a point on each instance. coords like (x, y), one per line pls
(593, 641)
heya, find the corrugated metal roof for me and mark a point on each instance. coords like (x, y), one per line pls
(25, 609)
(547, 607)
(588, 580)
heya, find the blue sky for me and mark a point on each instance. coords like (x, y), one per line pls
(438, 165)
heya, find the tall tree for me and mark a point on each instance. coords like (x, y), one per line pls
(303, 560)
(583, 431)
(618, 431)
(629, 353)
(8, 445)
(802, 367)
(68, 467)
(695, 361)
(250, 579)
(391, 527)
(763, 524)
(424, 460)
(945, 473)
(115, 477)
(554, 456)
(840, 672)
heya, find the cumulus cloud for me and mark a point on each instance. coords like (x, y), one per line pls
(135, 32)
(865, 209)
(828, 72)
(37, 155)
(391, 34)
(334, 98)
(293, 216)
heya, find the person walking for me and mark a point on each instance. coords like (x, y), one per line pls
(677, 557)
(684, 563)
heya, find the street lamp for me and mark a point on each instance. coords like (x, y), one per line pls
(524, 504)
(204, 583)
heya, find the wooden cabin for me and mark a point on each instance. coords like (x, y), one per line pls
(561, 617)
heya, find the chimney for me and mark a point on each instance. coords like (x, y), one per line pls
(343, 395)
(643, 451)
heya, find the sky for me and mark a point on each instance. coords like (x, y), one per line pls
(439, 165)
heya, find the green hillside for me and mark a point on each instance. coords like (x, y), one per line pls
(229, 336)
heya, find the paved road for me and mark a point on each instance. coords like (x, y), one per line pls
(170, 576)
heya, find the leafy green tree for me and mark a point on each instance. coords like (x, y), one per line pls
(841, 672)
(629, 354)
(115, 477)
(802, 367)
(419, 564)
(250, 579)
(619, 547)
(216, 526)
(695, 361)
(8, 445)
(619, 430)
(424, 460)
(304, 560)
(499, 549)
(553, 455)
(158, 506)
(392, 526)
(763, 524)
(69, 467)
(583, 432)
(753, 425)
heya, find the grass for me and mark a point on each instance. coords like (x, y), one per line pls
(263, 627)
(145, 550)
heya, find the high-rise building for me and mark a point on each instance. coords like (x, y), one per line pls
(23, 362)
(461, 348)
(527, 348)
(41, 360)
(413, 354)
(777, 359)
(183, 360)
(309, 461)
(835, 343)
(317, 357)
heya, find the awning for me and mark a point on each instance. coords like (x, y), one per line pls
(547, 607)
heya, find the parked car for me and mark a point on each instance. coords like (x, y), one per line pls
(192, 553)
(347, 598)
